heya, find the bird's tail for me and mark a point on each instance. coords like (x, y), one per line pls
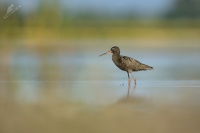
(146, 67)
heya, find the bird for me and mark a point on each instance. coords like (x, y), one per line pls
(126, 63)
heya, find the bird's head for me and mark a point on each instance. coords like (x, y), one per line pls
(113, 50)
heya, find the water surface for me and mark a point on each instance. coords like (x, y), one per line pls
(60, 90)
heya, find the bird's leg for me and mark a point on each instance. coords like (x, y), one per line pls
(129, 80)
(133, 78)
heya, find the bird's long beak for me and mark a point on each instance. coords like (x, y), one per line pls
(106, 53)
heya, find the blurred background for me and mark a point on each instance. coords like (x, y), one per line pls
(44, 39)
(52, 79)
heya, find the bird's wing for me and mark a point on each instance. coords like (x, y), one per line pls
(134, 64)
(129, 61)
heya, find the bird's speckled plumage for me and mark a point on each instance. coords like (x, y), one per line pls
(126, 63)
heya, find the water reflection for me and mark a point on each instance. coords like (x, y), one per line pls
(129, 90)
(96, 93)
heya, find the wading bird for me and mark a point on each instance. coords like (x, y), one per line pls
(127, 64)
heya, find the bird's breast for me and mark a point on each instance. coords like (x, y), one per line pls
(117, 61)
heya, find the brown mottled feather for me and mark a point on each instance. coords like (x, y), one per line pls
(129, 64)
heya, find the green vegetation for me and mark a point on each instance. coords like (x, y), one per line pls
(63, 29)
(50, 23)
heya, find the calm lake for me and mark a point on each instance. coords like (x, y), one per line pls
(72, 89)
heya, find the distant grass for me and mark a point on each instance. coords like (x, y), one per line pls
(38, 31)
(102, 32)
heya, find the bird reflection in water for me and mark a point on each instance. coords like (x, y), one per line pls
(129, 89)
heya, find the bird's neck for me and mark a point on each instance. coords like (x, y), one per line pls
(115, 59)
(116, 56)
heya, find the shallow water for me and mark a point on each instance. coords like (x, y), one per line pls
(63, 91)
(101, 92)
